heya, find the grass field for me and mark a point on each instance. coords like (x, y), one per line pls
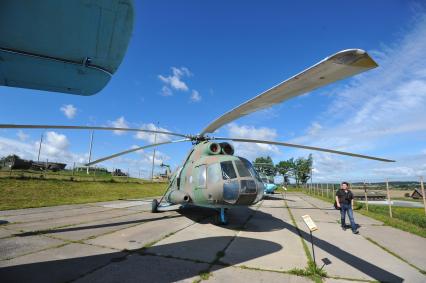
(25, 193)
(409, 219)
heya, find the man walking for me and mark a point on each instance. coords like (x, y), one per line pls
(345, 201)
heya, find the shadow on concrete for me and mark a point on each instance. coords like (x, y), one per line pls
(134, 267)
(265, 222)
(81, 228)
(277, 197)
(365, 267)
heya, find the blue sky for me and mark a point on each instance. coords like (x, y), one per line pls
(190, 61)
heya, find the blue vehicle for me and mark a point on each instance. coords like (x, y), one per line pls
(268, 183)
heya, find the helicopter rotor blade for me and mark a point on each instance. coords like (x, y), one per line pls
(132, 150)
(307, 147)
(15, 126)
(341, 65)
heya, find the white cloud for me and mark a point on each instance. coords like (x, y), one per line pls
(22, 136)
(382, 108)
(195, 96)
(55, 147)
(119, 123)
(252, 150)
(150, 137)
(175, 81)
(69, 110)
(166, 91)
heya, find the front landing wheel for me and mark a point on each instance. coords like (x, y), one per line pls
(154, 206)
(221, 218)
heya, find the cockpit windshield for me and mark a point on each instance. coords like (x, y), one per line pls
(249, 167)
(242, 169)
(228, 171)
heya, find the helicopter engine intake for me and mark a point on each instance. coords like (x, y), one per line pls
(178, 197)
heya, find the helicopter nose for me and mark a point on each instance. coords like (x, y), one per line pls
(240, 192)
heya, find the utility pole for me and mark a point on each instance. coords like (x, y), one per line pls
(153, 156)
(39, 148)
(90, 151)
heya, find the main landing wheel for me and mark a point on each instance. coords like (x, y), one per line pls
(154, 206)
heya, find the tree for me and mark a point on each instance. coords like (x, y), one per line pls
(285, 168)
(302, 169)
(265, 165)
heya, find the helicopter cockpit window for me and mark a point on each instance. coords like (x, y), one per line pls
(228, 171)
(202, 176)
(213, 173)
(250, 167)
(242, 169)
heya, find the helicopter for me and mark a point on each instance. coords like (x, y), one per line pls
(211, 175)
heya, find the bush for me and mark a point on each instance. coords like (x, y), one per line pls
(407, 195)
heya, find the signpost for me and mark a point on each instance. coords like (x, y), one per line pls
(312, 227)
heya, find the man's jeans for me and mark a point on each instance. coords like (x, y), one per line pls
(347, 208)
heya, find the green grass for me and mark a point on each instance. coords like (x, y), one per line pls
(409, 219)
(25, 193)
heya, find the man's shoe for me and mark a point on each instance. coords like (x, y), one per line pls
(355, 232)
(344, 228)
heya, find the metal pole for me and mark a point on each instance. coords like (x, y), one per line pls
(153, 156)
(39, 148)
(90, 151)
(313, 250)
(389, 198)
(423, 193)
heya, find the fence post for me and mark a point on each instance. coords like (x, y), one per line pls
(365, 195)
(389, 198)
(423, 193)
(73, 168)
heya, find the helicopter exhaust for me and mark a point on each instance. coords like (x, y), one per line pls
(178, 197)
(227, 148)
(213, 148)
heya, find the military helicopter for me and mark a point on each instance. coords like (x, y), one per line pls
(211, 175)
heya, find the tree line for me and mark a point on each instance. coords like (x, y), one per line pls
(298, 169)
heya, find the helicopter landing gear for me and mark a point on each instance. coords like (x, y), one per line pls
(154, 206)
(221, 218)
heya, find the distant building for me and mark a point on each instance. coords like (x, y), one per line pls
(417, 194)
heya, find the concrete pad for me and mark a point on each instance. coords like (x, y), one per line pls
(137, 268)
(62, 264)
(101, 227)
(138, 236)
(126, 204)
(45, 215)
(268, 225)
(239, 275)
(45, 209)
(354, 257)
(71, 220)
(5, 233)
(17, 246)
(197, 242)
(406, 245)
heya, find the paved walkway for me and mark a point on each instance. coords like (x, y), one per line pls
(122, 241)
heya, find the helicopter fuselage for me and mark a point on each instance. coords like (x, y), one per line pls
(212, 176)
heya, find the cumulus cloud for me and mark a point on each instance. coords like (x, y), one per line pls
(195, 96)
(379, 109)
(55, 147)
(22, 136)
(252, 150)
(119, 123)
(150, 137)
(69, 110)
(175, 81)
